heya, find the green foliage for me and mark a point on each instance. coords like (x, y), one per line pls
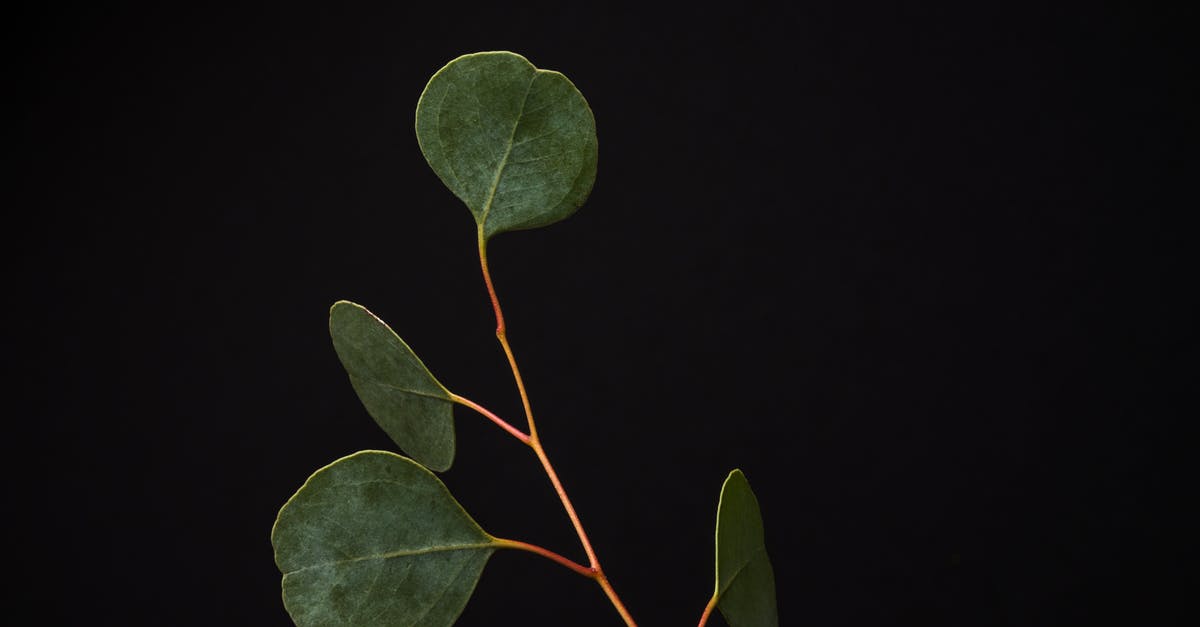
(745, 581)
(515, 143)
(375, 538)
(412, 407)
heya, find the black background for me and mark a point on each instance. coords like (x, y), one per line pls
(916, 271)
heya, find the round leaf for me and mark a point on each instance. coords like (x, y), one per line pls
(395, 387)
(377, 539)
(515, 143)
(745, 580)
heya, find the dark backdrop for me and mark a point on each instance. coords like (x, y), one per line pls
(913, 270)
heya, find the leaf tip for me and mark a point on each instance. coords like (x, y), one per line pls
(341, 306)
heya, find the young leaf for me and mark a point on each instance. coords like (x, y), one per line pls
(376, 539)
(745, 582)
(398, 391)
(515, 143)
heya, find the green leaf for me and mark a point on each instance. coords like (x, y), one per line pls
(515, 143)
(376, 539)
(398, 391)
(745, 581)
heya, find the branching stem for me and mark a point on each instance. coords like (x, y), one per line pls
(548, 554)
(612, 596)
(515, 432)
(535, 443)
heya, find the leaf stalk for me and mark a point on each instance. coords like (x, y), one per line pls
(502, 332)
(515, 432)
(590, 573)
(708, 610)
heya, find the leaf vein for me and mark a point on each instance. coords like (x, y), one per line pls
(462, 565)
(395, 554)
(534, 138)
(487, 206)
(550, 156)
(399, 388)
(762, 549)
(563, 95)
(437, 125)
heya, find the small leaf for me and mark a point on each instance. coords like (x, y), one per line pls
(376, 539)
(515, 143)
(745, 580)
(398, 391)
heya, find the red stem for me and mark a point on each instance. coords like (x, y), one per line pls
(515, 432)
(534, 442)
(548, 554)
(502, 334)
(566, 503)
(708, 609)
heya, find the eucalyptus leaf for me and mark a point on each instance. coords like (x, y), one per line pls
(517, 144)
(395, 387)
(376, 539)
(745, 581)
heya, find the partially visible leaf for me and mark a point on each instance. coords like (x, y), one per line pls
(398, 391)
(745, 581)
(515, 143)
(376, 539)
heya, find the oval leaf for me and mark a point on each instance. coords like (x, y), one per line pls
(377, 539)
(515, 143)
(745, 580)
(398, 391)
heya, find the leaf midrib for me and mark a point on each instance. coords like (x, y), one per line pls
(760, 549)
(400, 553)
(487, 205)
(397, 388)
